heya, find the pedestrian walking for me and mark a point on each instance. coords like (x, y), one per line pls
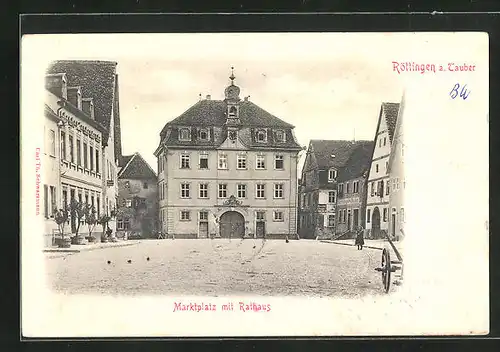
(360, 241)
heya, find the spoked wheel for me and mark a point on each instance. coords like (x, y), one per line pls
(386, 269)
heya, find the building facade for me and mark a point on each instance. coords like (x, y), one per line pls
(377, 204)
(397, 179)
(352, 190)
(325, 160)
(227, 168)
(138, 197)
(81, 110)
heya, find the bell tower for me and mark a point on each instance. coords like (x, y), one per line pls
(232, 99)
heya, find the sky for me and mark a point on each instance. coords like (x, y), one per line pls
(328, 85)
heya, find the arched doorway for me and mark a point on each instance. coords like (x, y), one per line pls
(376, 223)
(232, 225)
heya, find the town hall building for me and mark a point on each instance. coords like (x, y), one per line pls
(227, 168)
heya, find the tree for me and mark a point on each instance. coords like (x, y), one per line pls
(90, 219)
(61, 216)
(103, 221)
(78, 209)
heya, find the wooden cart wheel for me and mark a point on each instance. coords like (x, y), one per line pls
(386, 269)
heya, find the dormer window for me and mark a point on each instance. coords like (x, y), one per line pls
(261, 136)
(232, 111)
(203, 134)
(332, 175)
(280, 136)
(184, 134)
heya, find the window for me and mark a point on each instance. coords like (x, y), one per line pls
(344, 217)
(278, 190)
(260, 162)
(184, 161)
(203, 161)
(332, 175)
(79, 152)
(331, 220)
(185, 190)
(203, 215)
(261, 191)
(52, 141)
(280, 136)
(63, 145)
(402, 214)
(404, 183)
(185, 134)
(386, 166)
(385, 214)
(185, 215)
(368, 215)
(385, 140)
(278, 216)
(397, 183)
(46, 200)
(85, 156)
(341, 187)
(376, 167)
(203, 134)
(261, 136)
(222, 190)
(331, 197)
(71, 150)
(279, 162)
(128, 203)
(223, 161)
(303, 200)
(119, 224)
(387, 187)
(98, 206)
(347, 187)
(91, 154)
(53, 200)
(355, 186)
(203, 190)
(232, 111)
(86, 199)
(145, 185)
(96, 160)
(260, 216)
(242, 191)
(380, 142)
(241, 161)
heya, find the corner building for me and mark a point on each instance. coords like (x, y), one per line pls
(227, 168)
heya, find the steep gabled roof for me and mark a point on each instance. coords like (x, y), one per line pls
(397, 131)
(213, 113)
(341, 149)
(390, 110)
(99, 81)
(124, 160)
(358, 162)
(136, 169)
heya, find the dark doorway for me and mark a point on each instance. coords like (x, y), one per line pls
(261, 229)
(232, 225)
(376, 223)
(355, 219)
(393, 225)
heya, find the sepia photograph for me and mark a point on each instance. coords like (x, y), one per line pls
(254, 184)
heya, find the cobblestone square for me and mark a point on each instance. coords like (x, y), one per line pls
(220, 267)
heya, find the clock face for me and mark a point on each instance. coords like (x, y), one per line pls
(232, 135)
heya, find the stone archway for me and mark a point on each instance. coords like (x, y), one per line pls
(232, 225)
(375, 223)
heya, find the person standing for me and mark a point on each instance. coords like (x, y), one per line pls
(360, 240)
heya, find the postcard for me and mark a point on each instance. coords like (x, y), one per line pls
(254, 184)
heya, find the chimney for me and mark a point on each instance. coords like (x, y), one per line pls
(75, 96)
(247, 97)
(209, 97)
(88, 107)
(57, 84)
